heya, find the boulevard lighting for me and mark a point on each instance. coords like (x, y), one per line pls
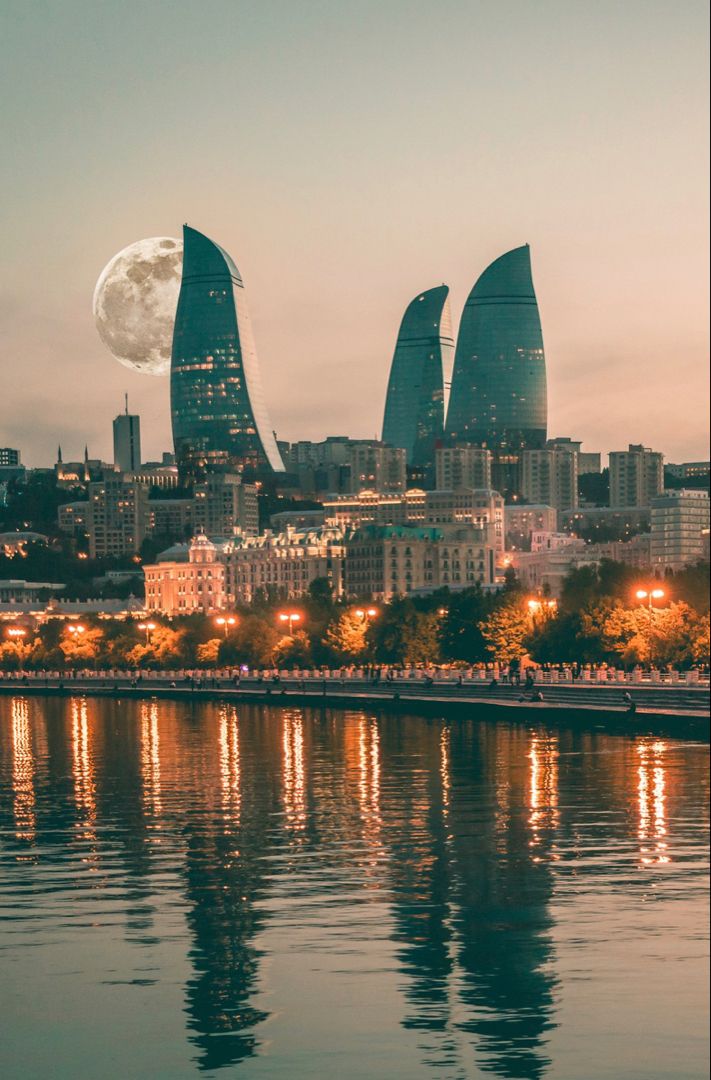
(75, 628)
(542, 605)
(290, 617)
(16, 632)
(148, 627)
(226, 622)
(367, 613)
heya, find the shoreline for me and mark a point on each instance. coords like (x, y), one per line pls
(673, 722)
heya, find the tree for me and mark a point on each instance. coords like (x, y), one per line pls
(674, 635)
(506, 630)
(406, 634)
(81, 648)
(17, 655)
(346, 638)
(252, 643)
(294, 651)
(164, 648)
(207, 652)
(460, 633)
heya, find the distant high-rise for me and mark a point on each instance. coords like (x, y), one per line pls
(219, 416)
(127, 441)
(498, 396)
(414, 406)
(636, 476)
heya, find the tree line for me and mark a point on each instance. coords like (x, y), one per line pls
(596, 620)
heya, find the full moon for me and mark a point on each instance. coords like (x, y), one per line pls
(135, 301)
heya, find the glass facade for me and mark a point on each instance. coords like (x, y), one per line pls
(414, 406)
(498, 396)
(217, 404)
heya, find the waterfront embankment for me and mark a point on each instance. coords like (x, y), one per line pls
(665, 708)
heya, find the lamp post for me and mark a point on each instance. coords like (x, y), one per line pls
(290, 617)
(226, 622)
(365, 614)
(76, 628)
(148, 627)
(650, 595)
(542, 607)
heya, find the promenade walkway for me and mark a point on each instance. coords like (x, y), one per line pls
(683, 700)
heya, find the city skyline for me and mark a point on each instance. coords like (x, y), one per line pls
(334, 240)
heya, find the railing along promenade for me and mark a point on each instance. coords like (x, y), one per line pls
(604, 689)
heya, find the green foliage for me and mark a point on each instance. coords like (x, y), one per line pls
(406, 633)
(460, 633)
(506, 631)
(293, 652)
(345, 638)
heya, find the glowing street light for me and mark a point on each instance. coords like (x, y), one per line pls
(650, 595)
(226, 622)
(367, 613)
(76, 628)
(16, 632)
(538, 606)
(148, 627)
(290, 617)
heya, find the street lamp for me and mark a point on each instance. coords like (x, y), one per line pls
(650, 595)
(538, 606)
(75, 628)
(226, 621)
(367, 613)
(16, 632)
(148, 627)
(290, 617)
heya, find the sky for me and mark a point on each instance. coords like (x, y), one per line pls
(349, 154)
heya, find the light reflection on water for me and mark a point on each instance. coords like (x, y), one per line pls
(277, 890)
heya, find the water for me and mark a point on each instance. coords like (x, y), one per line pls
(258, 893)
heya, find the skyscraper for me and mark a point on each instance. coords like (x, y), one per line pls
(127, 441)
(498, 397)
(414, 406)
(218, 411)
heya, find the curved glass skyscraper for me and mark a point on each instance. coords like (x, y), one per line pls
(217, 405)
(498, 396)
(414, 406)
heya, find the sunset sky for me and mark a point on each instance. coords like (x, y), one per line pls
(348, 154)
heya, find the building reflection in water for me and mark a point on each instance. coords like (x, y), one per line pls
(451, 827)
(501, 898)
(23, 772)
(543, 787)
(369, 791)
(294, 770)
(150, 759)
(225, 842)
(651, 796)
(83, 775)
(230, 767)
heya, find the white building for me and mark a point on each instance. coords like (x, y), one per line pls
(636, 476)
(188, 578)
(283, 563)
(462, 467)
(680, 521)
(481, 508)
(521, 521)
(550, 477)
(384, 561)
